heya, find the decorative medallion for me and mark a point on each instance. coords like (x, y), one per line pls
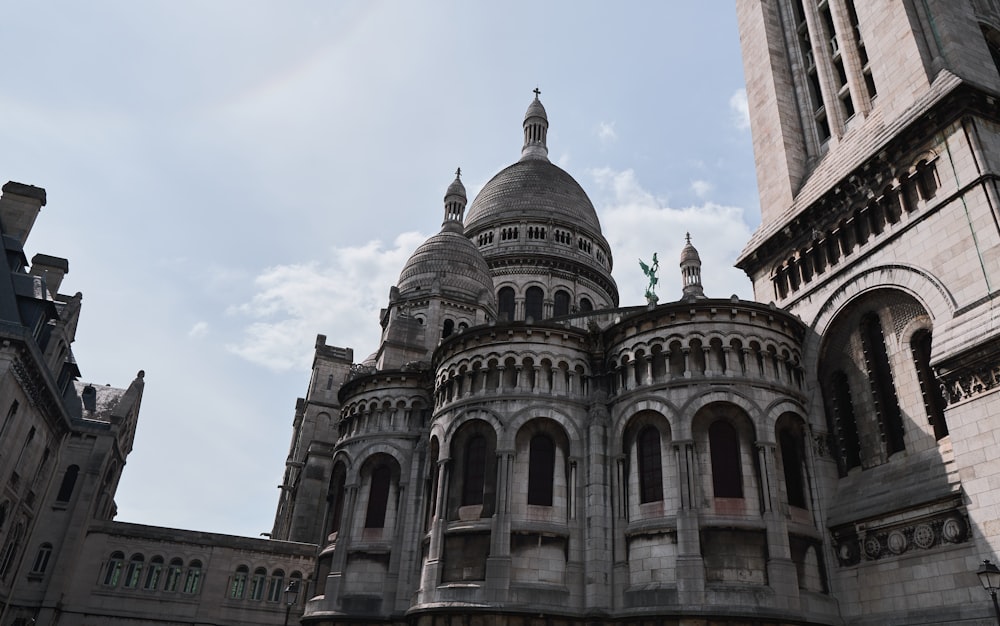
(923, 536)
(954, 530)
(896, 542)
(872, 547)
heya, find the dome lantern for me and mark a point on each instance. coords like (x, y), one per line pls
(691, 271)
(536, 127)
(454, 202)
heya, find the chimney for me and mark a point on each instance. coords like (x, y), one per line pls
(51, 268)
(19, 206)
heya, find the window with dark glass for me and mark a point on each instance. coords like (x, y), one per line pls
(337, 496)
(560, 303)
(173, 575)
(883, 390)
(474, 475)
(153, 573)
(791, 464)
(844, 422)
(586, 305)
(192, 581)
(541, 470)
(378, 497)
(239, 584)
(68, 483)
(930, 390)
(650, 465)
(114, 569)
(42, 559)
(257, 583)
(727, 472)
(133, 574)
(505, 304)
(533, 299)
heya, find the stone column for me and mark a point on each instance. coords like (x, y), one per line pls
(498, 562)
(690, 565)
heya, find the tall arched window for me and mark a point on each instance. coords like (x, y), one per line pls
(505, 304)
(920, 347)
(650, 465)
(239, 584)
(791, 464)
(153, 574)
(533, 299)
(42, 559)
(336, 496)
(173, 575)
(276, 586)
(378, 497)
(192, 582)
(134, 572)
(541, 470)
(474, 476)
(727, 472)
(560, 303)
(845, 422)
(886, 405)
(257, 583)
(448, 329)
(114, 569)
(586, 305)
(68, 483)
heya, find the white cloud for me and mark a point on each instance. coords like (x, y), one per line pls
(740, 109)
(606, 132)
(200, 329)
(638, 223)
(340, 298)
(701, 188)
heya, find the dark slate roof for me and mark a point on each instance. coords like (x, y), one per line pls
(533, 188)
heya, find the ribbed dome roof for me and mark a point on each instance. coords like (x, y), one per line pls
(453, 261)
(689, 252)
(533, 188)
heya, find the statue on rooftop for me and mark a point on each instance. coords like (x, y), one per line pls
(650, 272)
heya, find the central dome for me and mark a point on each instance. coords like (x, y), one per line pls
(533, 188)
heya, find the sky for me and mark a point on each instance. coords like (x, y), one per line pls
(229, 179)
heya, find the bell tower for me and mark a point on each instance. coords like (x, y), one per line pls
(876, 137)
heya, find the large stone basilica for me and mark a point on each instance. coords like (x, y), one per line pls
(522, 450)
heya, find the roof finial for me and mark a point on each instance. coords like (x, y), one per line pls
(688, 237)
(537, 91)
(458, 173)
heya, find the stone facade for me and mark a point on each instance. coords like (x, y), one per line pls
(522, 450)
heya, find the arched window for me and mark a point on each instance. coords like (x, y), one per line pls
(586, 305)
(337, 497)
(475, 471)
(134, 572)
(257, 583)
(114, 569)
(68, 483)
(650, 465)
(378, 497)
(42, 559)
(153, 573)
(560, 303)
(192, 581)
(239, 584)
(845, 423)
(173, 575)
(886, 405)
(920, 347)
(448, 329)
(276, 586)
(791, 464)
(533, 298)
(505, 304)
(724, 447)
(541, 470)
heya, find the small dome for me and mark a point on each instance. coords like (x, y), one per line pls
(456, 188)
(448, 261)
(535, 109)
(689, 252)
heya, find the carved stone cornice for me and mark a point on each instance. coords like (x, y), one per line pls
(854, 543)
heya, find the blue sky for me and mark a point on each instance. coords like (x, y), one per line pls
(229, 179)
